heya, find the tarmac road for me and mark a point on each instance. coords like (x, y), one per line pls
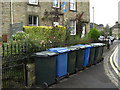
(114, 65)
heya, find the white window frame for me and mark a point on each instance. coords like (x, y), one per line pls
(33, 21)
(35, 2)
(73, 27)
(73, 5)
(57, 2)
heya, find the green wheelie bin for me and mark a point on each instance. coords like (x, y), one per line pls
(79, 57)
(101, 51)
(45, 68)
(99, 47)
(97, 50)
(92, 55)
(71, 59)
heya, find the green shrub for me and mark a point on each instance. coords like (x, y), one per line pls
(94, 34)
(45, 34)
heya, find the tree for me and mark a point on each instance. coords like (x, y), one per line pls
(102, 33)
(110, 32)
(107, 30)
(94, 34)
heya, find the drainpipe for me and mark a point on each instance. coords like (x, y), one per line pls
(11, 13)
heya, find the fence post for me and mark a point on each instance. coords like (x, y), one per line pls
(3, 48)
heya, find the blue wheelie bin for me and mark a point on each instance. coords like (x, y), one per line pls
(87, 54)
(61, 62)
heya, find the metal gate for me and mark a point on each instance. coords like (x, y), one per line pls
(15, 28)
(14, 66)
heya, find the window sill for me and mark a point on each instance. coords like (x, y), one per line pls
(56, 8)
(72, 34)
(33, 4)
(73, 10)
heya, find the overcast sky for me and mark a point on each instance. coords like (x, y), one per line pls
(106, 11)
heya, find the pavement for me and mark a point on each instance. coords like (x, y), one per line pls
(96, 76)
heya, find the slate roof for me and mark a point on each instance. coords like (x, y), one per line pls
(116, 26)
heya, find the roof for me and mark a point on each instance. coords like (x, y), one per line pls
(116, 26)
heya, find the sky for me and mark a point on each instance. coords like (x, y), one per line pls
(105, 11)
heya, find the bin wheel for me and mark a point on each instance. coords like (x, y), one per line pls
(102, 58)
(44, 85)
(76, 70)
(57, 79)
(88, 65)
(83, 67)
(67, 76)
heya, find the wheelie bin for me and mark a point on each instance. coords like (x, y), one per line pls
(101, 51)
(61, 63)
(79, 58)
(87, 54)
(97, 50)
(99, 47)
(71, 59)
(91, 57)
(45, 68)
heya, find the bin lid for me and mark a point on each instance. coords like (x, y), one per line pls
(58, 50)
(79, 47)
(98, 44)
(87, 46)
(44, 54)
(72, 48)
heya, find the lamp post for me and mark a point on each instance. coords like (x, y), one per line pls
(93, 17)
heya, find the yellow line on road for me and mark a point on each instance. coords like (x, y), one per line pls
(116, 64)
(111, 62)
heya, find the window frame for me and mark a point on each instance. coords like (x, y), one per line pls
(74, 10)
(72, 26)
(37, 21)
(59, 4)
(34, 2)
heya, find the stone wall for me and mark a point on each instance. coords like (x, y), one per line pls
(6, 17)
(19, 12)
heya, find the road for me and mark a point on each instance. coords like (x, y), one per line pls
(114, 63)
(93, 77)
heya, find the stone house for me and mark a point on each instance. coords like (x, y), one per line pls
(116, 31)
(100, 27)
(36, 13)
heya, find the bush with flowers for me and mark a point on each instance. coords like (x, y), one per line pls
(20, 35)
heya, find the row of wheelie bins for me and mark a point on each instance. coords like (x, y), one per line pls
(55, 64)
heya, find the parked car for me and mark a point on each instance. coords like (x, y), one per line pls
(101, 38)
(111, 37)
